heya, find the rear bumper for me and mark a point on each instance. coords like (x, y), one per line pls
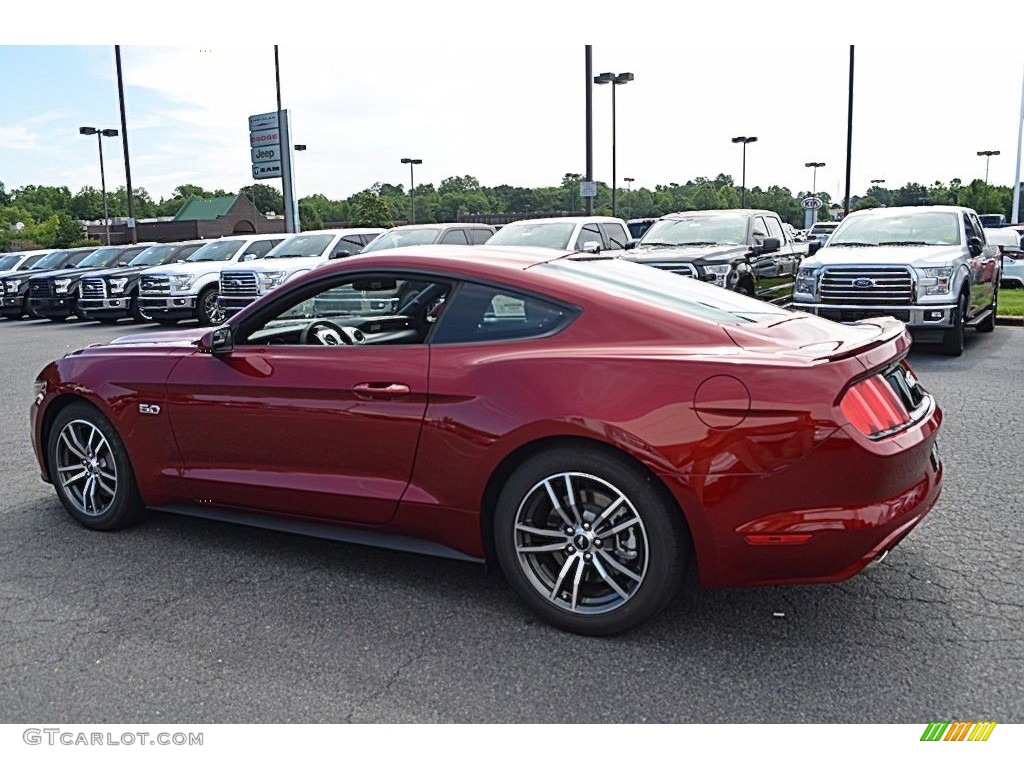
(824, 518)
(916, 317)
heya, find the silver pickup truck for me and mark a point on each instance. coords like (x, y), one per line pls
(929, 266)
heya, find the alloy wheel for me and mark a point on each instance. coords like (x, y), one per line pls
(581, 543)
(85, 468)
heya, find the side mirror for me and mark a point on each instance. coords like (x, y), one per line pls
(630, 244)
(122, 263)
(769, 245)
(340, 254)
(249, 257)
(591, 246)
(974, 246)
(813, 247)
(216, 342)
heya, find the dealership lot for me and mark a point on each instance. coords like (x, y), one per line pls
(193, 621)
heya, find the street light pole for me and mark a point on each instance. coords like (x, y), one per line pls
(100, 133)
(412, 163)
(629, 196)
(744, 140)
(987, 154)
(620, 79)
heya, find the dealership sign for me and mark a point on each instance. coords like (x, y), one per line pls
(811, 203)
(266, 170)
(265, 141)
(265, 154)
(263, 122)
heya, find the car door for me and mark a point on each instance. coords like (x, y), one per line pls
(778, 268)
(303, 426)
(981, 267)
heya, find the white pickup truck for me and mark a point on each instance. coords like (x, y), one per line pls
(190, 288)
(929, 266)
(241, 285)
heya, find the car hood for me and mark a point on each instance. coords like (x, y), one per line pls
(659, 254)
(289, 264)
(912, 255)
(118, 271)
(181, 338)
(30, 274)
(193, 267)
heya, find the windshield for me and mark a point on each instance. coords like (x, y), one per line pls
(905, 228)
(219, 250)
(151, 257)
(9, 262)
(103, 257)
(548, 234)
(301, 245)
(396, 238)
(697, 230)
(667, 290)
(53, 261)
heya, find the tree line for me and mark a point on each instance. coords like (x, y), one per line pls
(48, 217)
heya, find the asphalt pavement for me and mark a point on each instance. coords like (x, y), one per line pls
(185, 620)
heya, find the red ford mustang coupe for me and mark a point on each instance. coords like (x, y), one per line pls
(589, 423)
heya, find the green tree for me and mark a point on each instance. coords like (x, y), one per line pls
(865, 202)
(371, 210)
(265, 198)
(87, 204)
(309, 216)
(68, 231)
(5, 199)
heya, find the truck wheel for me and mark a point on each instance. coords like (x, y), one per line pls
(138, 313)
(989, 323)
(209, 311)
(953, 340)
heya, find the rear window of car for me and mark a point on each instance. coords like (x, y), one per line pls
(665, 290)
(491, 313)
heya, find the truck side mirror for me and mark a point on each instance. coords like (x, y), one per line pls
(813, 247)
(630, 244)
(591, 246)
(974, 246)
(769, 245)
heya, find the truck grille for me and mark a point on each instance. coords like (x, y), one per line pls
(871, 286)
(238, 284)
(40, 289)
(94, 288)
(155, 285)
(686, 270)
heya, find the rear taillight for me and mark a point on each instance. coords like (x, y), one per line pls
(873, 408)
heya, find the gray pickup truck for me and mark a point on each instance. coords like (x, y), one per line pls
(929, 266)
(748, 251)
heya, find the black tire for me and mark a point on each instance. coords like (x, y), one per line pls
(205, 310)
(953, 339)
(989, 323)
(656, 546)
(81, 435)
(138, 313)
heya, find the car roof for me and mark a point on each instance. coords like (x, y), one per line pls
(570, 220)
(720, 211)
(338, 231)
(913, 209)
(441, 225)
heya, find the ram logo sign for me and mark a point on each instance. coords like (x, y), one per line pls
(958, 731)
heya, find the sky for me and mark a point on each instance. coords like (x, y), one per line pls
(500, 96)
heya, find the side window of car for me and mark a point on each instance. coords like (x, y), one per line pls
(969, 230)
(350, 244)
(979, 229)
(615, 235)
(775, 229)
(260, 248)
(455, 237)
(363, 310)
(480, 236)
(490, 313)
(759, 230)
(187, 251)
(589, 233)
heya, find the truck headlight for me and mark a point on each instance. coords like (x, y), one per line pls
(935, 280)
(181, 282)
(61, 285)
(272, 279)
(117, 284)
(719, 273)
(12, 286)
(806, 280)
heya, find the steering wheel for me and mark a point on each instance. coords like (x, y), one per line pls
(324, 332)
